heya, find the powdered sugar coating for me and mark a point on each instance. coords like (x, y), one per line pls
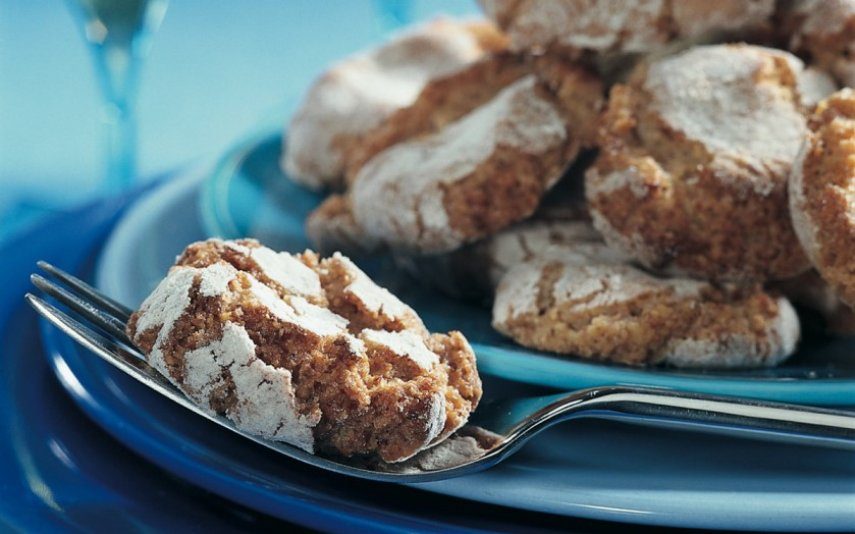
(694, 18)
(621, 313)
(162, 308)
(231, 342)
(631, 245)
(608, 27)
(406, 344)
(806, 230)
(740, 350)
(547, 240)
(581, 284)
(696, 152)
(814, 85)
(359, 92)
(435, 422)
(287, 271)
(822, 192)
(711, 95)
(374, 298)
(411, 176)
(823, 17)
(265, 397)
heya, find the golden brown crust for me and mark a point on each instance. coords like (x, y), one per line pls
(441, 102)
(620, 314)
(357, 93)
(535, 112)
(823, 193)
(356, 373)
(679, 192)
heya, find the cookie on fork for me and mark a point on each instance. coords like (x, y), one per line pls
(305, 350)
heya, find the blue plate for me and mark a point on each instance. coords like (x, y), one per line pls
(591, 469)
(247, 195)
(59, 471)
(57, 468)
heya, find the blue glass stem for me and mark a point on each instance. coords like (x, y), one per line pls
(120, 126)
(117, 71)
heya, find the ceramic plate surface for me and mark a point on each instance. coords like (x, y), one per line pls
(592, 469)
(247, 195)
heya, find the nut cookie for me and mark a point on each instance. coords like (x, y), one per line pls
(812, 292)
(357, 93)
(474, 272)
(305, 350)
(331, 226)
(619, 313)
(695, 155)
(822, 193)
(824, 31)
(609, 27)
(463, 166)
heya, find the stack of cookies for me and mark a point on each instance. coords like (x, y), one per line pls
(643, 183)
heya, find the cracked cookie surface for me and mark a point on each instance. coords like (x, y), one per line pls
(357, 93)
(695, 156)
(608, 27)
(475, 153)
(305, 350)
(822, 193)
(823, 30)
(619, 313)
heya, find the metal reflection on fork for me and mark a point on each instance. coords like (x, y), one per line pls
(496, 429)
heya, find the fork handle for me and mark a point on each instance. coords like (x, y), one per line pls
(730, 415)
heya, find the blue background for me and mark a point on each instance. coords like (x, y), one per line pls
(216, 69)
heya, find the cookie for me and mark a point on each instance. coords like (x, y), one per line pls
(472, 272)
(822, 193)
(619, 313)
(812, 292)
(331, 227)
(824, 31)
(695, 154)
(305, 350)
(357, 93)
(476, 159)
(605, 27)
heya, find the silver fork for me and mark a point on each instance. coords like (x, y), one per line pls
(496, 430)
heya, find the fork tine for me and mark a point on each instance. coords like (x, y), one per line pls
(88, 310)
(116, 354)
(133, 364)
(83, 289)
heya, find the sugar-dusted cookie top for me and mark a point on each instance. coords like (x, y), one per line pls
(475, 153)
(305, 350)
(360, 91)
(695, 153)
(613, 27)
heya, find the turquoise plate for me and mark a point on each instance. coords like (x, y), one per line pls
(593, 469)
(247, 195)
